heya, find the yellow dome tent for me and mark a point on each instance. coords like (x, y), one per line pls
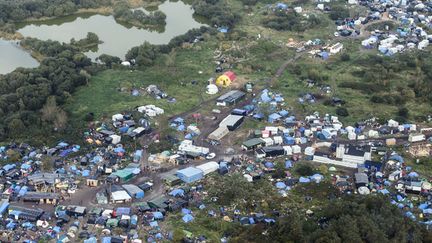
(225, 79)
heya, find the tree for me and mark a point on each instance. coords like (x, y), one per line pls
(345, 57)
(16, 128)
(305, 170)
(53, 114)
(109, 60)
(339, 12)
(403, 112)
(342, 111)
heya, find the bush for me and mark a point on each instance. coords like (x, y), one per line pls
(345, 57)
(342, 111)
(403, 112)
(305, 170)
(339, 12)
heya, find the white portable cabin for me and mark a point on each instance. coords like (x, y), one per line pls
(208, 168)
(296, 149)
(115, 139)
(288, 150)
(277, 140)
(268, 141)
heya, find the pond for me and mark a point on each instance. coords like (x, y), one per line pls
(117, 38)
(13, 56)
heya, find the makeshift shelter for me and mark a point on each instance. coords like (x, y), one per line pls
(219, 133)
(134, 191)
(190, 174)
(208, 167)
(212, 89)
(226, 79)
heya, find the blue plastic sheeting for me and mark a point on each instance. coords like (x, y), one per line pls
(9, 167)
(97, 159)
(25, 166)
(427, 211)
(3, 207)
(119, 150)
(265, 97)
(177, 192)
(282, 6)
(280, 185)
(288, 164)
(154, 224)
(91, 240)
(304, 180)
(178, 120)
(223, 30)
(202, 206)
(413, 174)
(384, 191)
(123, 211)
(423, 206)
(187, 218)
(27, 225)
(11, 225)
(269, 221)
(123, 129)
(63, 144)
(57, 229)
(274, 117)
(289, 140)
(188, 136)
(317, 178)
(269, 165)
(399, 198)
(397, 158)
(159, 236)
(23, 191)
(106, 240)
(185, 211)
(65, 152)
(86, 173)
(158, 215)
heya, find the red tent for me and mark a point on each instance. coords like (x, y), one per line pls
(231, 75)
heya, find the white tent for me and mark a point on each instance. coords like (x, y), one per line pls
(208, 167)
(212, 89)
(117, 117)
(115, 139)
(219, 133)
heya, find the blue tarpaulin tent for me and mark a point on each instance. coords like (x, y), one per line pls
(304, 180)
(154, 224)
(274, 117)
(177, 192)
(106, 240)
(288, 164)
(185, 211)
(187, 218)
(280, 185)
(269, 165)
(158, 215)
(91, 240)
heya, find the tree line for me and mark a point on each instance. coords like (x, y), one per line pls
(123, 12)
(27, 95)
(15, 11)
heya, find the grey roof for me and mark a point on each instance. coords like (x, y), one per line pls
(132, 189)
(361, 178)
(40, 195)
(231, 96)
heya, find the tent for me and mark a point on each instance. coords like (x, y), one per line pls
(280, 185)
(304, 180)
(226, 79)
(187, 218)
(288, 164)
(190, 174)
(176, 192)
(185, 211)
(212, 89)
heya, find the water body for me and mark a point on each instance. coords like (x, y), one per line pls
(117, 38)
(13, 56)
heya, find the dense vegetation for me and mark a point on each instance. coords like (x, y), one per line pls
(146, 54)
(123, 12)
(354, 219)
(218, 13)
(290, 21)
(13, 11)
(24, 92)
